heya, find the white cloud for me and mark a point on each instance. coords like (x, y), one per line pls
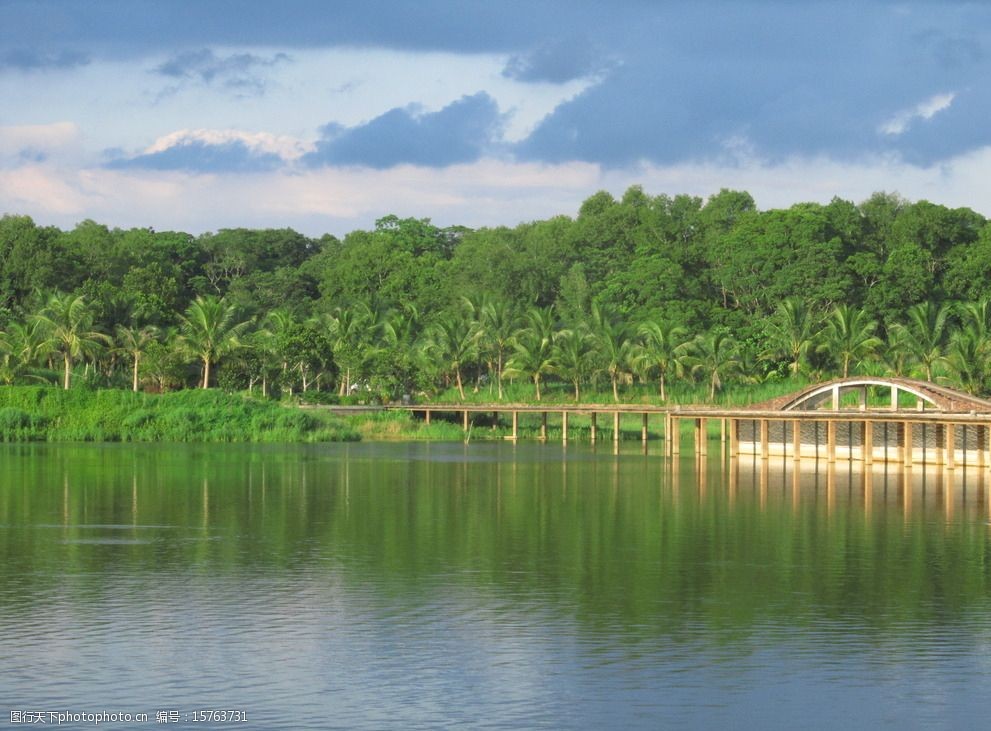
(927, 109)
(37, 136)
(286, 147)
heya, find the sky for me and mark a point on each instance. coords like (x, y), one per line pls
(325, 116)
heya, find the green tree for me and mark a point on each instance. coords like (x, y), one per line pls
(716, 355)
(613, 344)
(924, 334)
(791, 333)
(208, 330)
(453, 342)
(574, 357)
(133, 342)
(498, 323)
(533, 348)
(849, 337)
(966, 359)
(664, 349)
(68, 320)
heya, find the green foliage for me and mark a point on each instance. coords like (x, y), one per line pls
(42, 413)
(409, 308)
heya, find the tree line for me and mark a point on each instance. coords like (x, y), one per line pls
(633, 290)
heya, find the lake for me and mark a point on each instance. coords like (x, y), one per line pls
(489, 585)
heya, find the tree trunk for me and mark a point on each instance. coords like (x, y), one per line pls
(137, 360)
(615, 389)
(461, 390)
(536, 382)
(206, 373)
(68, 371)
(499, 374)
(663, 397)
(577, 392)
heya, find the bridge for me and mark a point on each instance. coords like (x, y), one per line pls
(868, 419)
(895, 420)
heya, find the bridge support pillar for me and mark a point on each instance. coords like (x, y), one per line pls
(615, 426)
(894, 398)
(426, 417)
(592, 427)
(464, 421)
(675, 435)
(831, 441)
(951, 445)
(516, 425)
(733, 443)
(543, 426)
(701, 437)
(867, 443)
(906, 443)
(564, 427)
(796, 439)
(836, 398)
(764, 451)
(643, 429)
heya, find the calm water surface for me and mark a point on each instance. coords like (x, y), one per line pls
(489, 585)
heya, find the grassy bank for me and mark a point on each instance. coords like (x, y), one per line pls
(40, 413)
(46, 413)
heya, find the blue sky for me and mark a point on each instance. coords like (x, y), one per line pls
(324, 116)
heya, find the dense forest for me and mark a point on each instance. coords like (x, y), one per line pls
(637, 293)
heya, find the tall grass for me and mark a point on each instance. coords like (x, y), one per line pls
(42, 413)
(679, 392)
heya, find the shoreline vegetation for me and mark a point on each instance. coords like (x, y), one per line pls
(51, 414)
(166, 336)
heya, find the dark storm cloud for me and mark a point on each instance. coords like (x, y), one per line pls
(460, 132)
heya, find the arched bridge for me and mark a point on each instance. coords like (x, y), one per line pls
(829, 395)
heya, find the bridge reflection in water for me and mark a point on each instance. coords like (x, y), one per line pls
(958, 494)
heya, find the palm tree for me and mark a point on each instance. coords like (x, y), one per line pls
(22, 345)
(133, 341)
(453, 340)
(923, 335)
(716, 355)
(350, 330)
(68, 322)
(268, 339)
(664, 348)
(977, 315)
(208, 331)
(613, 345)
(849, 336)
(498, 323)
(574, 357)
(791, 332)
(965, 358)
(533, 348)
